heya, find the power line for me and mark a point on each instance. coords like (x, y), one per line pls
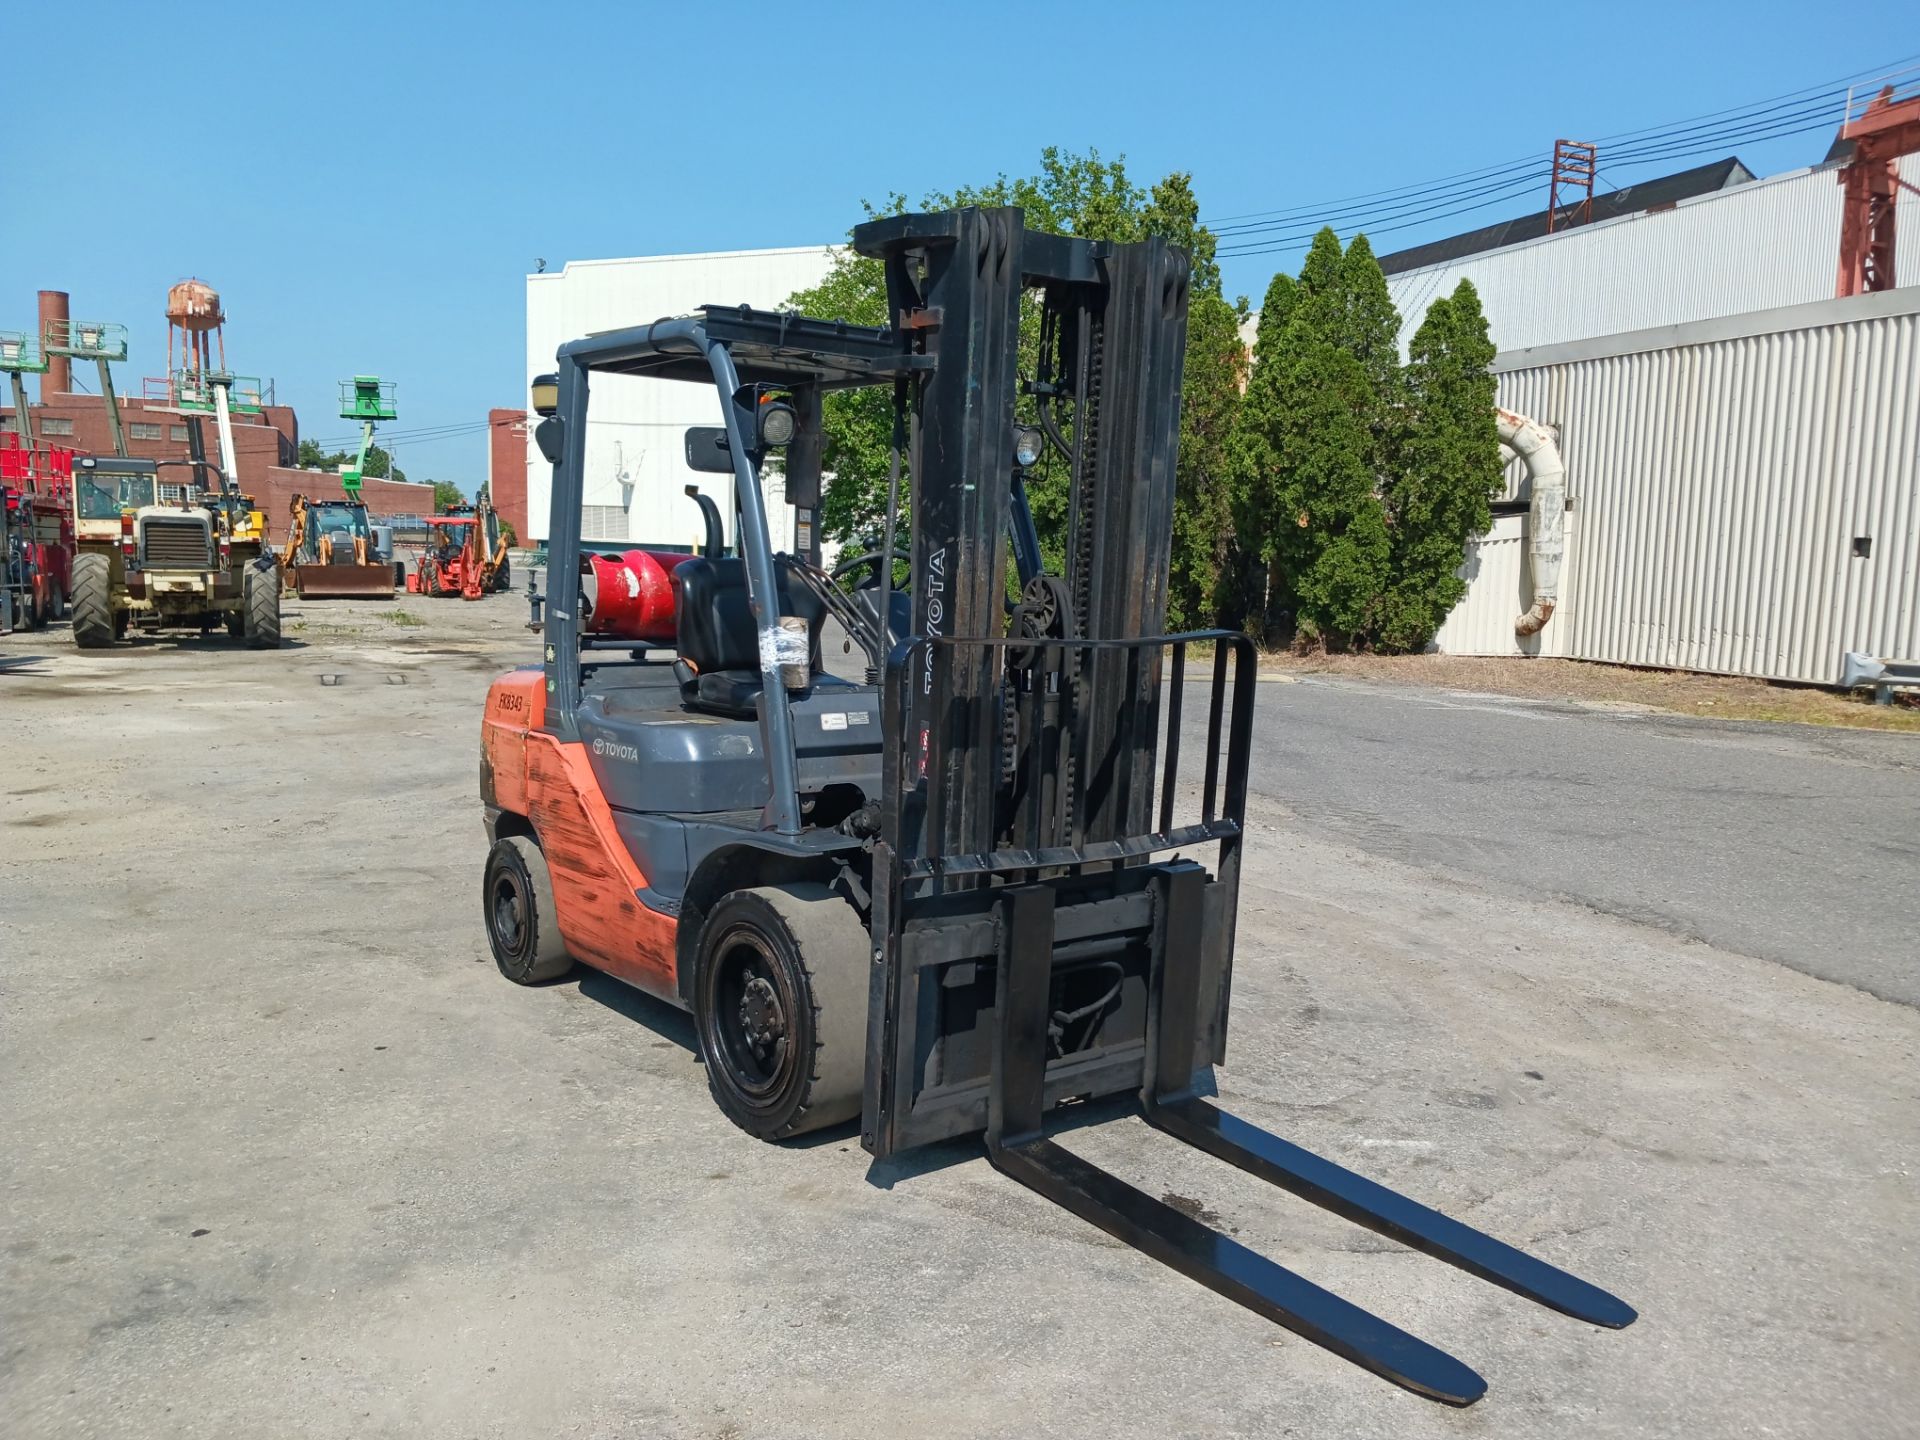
(1771, 118)
(1797, 121)
(1267, 244)
(1258, 243)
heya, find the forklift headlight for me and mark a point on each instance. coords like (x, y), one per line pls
(778, 424)
(1027, 444)
(546, 394)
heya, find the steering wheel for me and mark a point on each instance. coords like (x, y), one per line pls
(871, 561)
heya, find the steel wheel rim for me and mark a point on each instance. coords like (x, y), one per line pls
(507, 914)
(750, 1015)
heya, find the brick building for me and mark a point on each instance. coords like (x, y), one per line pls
(265, 445)
(507, 432)
(264, 450)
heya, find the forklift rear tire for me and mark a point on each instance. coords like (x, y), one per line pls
(517, 897)
(260, 591)
(95, 626)
(780, 1006)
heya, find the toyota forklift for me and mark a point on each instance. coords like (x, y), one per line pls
(997, 872)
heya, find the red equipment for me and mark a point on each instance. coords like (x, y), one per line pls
(631, 596)
(38, 557)
(447, 565)
(1887, 128)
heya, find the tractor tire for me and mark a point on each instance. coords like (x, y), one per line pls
(237, 624)
(780, 1007)
(429, 573)
(57, 608)
(516, 902)
(95, 625)
(260, 593)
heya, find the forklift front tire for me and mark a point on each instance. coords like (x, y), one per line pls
(780, 1006)
(518, 900)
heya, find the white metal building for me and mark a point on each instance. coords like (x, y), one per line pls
(1743, 493)
(636, 472)
(1757, 245)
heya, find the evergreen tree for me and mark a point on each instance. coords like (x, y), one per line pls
(1315, 437)
(1448, 468)
(1260, 595)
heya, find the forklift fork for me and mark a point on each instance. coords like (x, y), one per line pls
(1017, 1146)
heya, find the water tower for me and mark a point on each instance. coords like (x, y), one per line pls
(193, 317)
(200, 382)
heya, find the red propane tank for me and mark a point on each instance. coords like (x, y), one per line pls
(633, 595)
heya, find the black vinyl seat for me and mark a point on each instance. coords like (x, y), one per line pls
(718, 639)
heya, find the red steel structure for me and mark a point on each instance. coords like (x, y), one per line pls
(1883, 131)
(1574, 165)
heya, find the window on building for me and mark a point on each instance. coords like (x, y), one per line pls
(54, 425)
(137, 430)
(603, 522)
(176, 432)
(7, 427)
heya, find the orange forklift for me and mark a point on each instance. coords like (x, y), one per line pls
(999, 872)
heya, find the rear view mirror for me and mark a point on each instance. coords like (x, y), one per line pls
(548, 435)
(707, 450)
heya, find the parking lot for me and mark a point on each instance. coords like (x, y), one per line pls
(286, 1156)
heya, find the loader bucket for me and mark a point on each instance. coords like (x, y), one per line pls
(343, 582)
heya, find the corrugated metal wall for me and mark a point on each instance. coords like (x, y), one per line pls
(1770, 243)
(1724, 477)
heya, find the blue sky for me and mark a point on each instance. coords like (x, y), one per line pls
(367, 185)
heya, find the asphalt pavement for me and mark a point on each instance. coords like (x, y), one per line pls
(286, 1156)
(1788, 843)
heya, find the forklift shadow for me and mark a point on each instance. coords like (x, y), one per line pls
(666, 1021)
(17, 664)
(926, 1159)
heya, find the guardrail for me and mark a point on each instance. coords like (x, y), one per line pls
(1859, 671)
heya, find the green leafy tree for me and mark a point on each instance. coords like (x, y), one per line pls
(1448, 469)
(446, 494)
(380, 464)
(1070, 194)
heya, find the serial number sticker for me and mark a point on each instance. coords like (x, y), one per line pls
(859, 717)
(834, 720)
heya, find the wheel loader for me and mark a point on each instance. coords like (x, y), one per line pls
(999, 871)
(194, 564)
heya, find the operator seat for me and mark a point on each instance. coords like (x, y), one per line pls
(718, 640)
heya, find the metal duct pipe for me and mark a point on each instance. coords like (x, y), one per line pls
(1533, 443)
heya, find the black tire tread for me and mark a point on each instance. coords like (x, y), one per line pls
(93, 619)
(550, 958)
(833, 946)
(260, 592)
